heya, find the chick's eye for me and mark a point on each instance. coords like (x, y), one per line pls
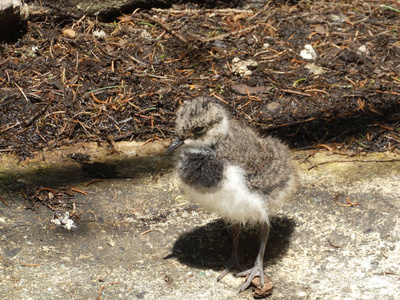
(199, 130)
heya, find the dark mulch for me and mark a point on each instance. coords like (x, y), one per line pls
(67, 81)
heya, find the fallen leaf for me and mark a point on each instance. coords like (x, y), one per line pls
(244, 89)
(321, 29)
(262, 292)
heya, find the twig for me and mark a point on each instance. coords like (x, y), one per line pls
(353, 160)
(99, 295)
(214, 94)
(4, 201)
(272, 126)
(102, 288)
(222, 36)
(136, 60)
(145, 232)
(150, 140)
(351, 204)
(166, 27)
(115, 195)
(79, 191)
(93, 181)
(295, 92)
(22, 92)
(333, 245)
(30, 265)
(29, 121)
(106, 88)
(196, 11)
(9, 127)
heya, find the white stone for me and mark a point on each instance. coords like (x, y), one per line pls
(314, 69)
(99, 34)
(308, 52)
(241, 67)
(363, 50)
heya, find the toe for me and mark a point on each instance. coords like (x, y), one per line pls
(232, 264)
(223, 273)
(253, 272)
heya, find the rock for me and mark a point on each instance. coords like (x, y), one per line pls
(271, 110)
(103, 9)
(363, 50)
(69, 33)
(99, 34)
(308, 52)
(321, 29)
(219, 44)
(274, 107)
(350, 56)
(242, 67)
(13, 19)
(250, 40)
(314, 69)
(337, 19)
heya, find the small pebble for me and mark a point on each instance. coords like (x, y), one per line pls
(69, 33)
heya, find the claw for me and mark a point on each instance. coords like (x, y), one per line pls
(232, 264)
(223, 273)
(257, 270)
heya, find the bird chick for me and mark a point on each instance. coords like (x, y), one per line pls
(229, 169)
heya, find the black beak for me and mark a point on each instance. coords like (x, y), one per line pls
(175, 144)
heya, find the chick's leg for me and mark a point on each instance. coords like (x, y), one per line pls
(258, 269)
(233, 262)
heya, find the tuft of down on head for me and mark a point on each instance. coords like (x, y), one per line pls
(201, 122)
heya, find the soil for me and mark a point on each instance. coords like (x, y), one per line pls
(69, 80)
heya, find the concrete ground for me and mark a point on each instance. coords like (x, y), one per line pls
(139, 238)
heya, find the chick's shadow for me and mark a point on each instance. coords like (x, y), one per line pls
(204, 246)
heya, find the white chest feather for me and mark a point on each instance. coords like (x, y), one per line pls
(233, 200)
